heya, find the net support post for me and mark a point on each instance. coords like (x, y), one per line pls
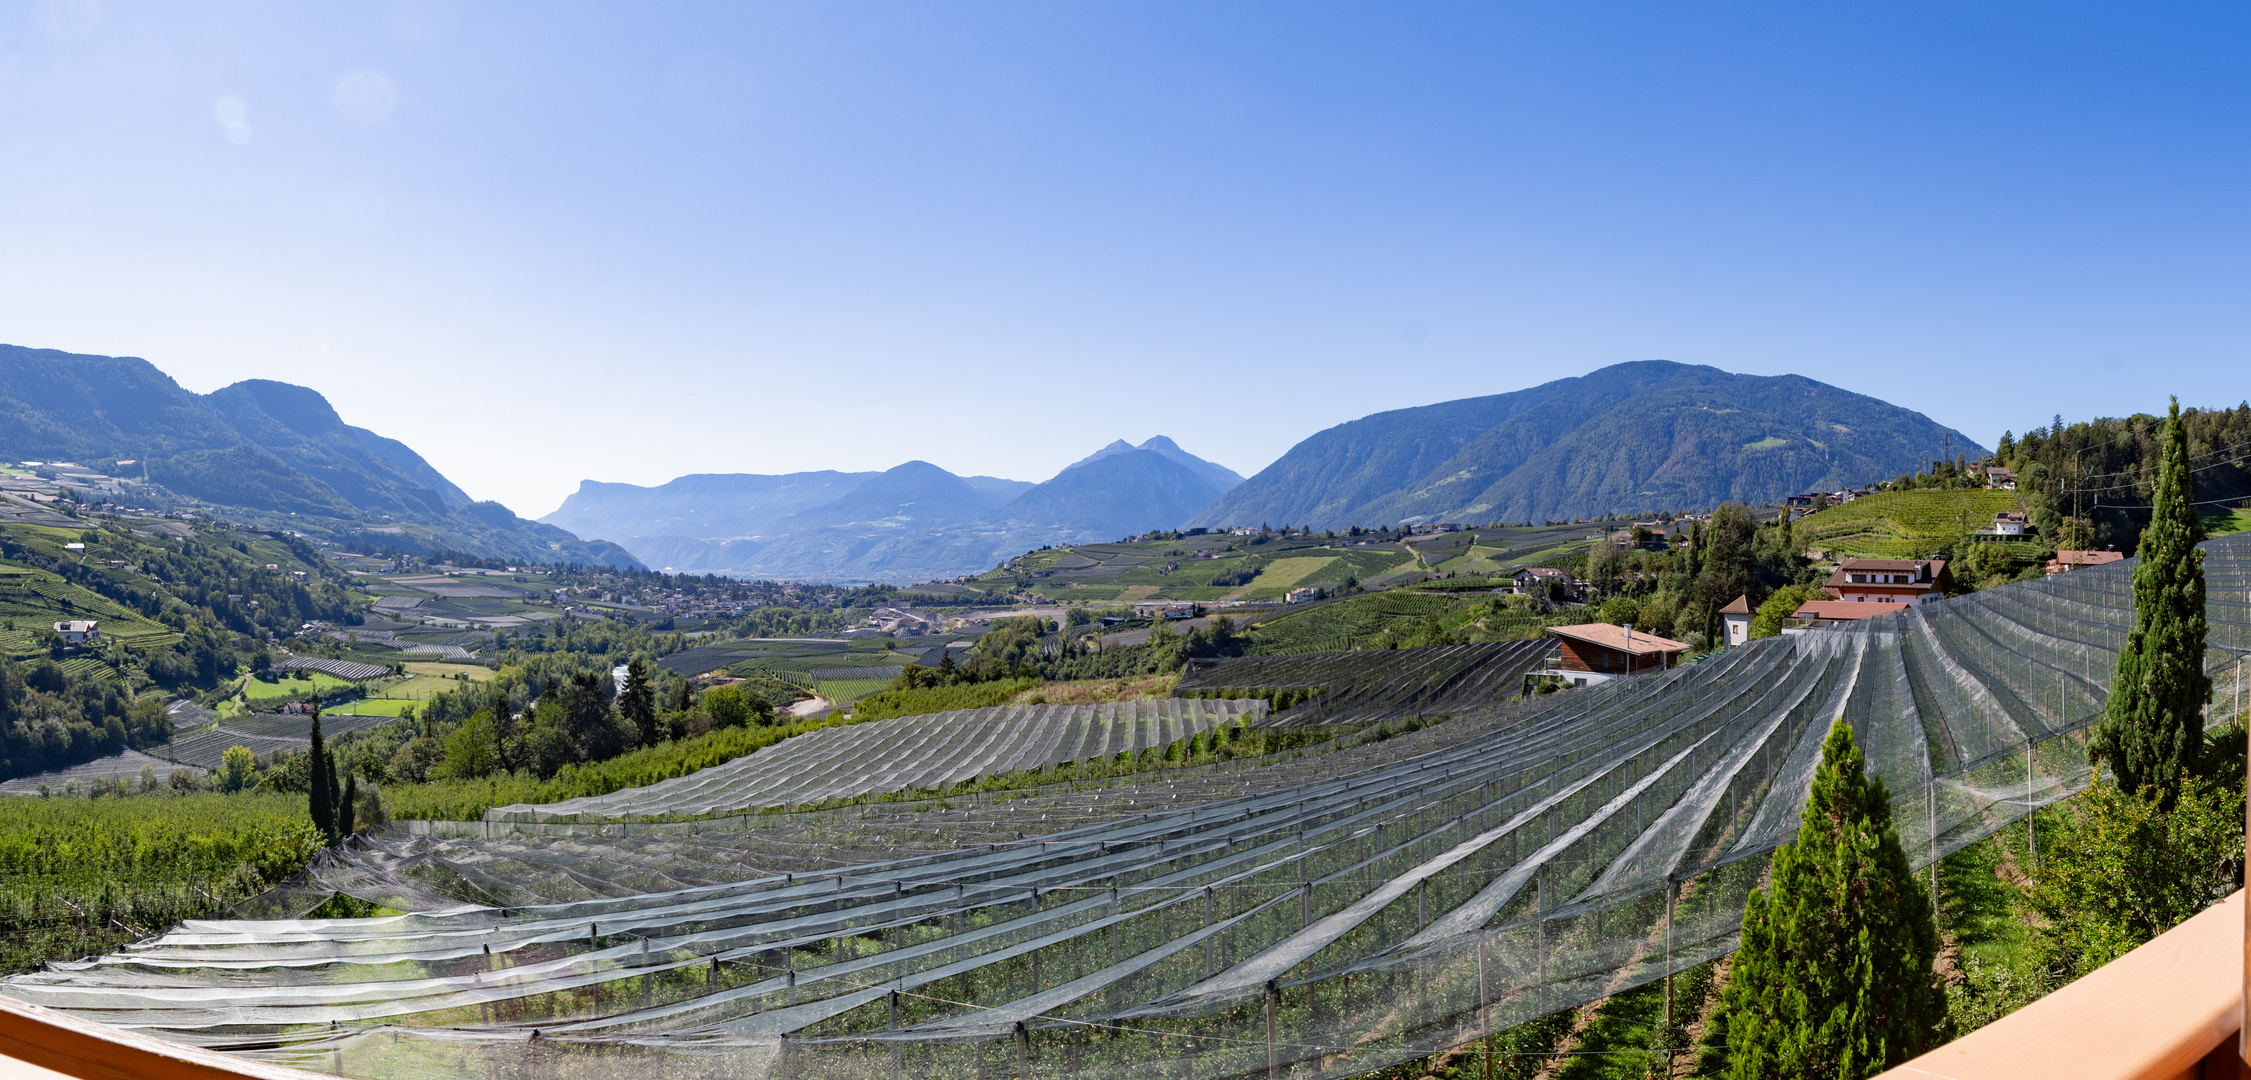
(1273, 1022)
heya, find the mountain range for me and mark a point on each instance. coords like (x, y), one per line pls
(1638, 436)
(261, 451)
(915, 521)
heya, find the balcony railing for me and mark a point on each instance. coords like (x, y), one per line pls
(2170, 1009)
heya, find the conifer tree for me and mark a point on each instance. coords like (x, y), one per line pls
(323, 796)
(638, 701)
(347, 813)
(1834, 979)
(335, 799)
(2153, 723)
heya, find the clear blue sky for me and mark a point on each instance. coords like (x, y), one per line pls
(546, 242)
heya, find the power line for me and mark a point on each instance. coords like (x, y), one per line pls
(2207, 502)
(2154, 468)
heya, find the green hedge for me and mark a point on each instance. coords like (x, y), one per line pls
(934, 699)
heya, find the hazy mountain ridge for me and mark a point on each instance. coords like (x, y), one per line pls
(257, 446)
(913, 522)
(1630, 437)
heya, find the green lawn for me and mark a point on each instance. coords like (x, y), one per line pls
(374, 707)
(2220, 520)
(1282, 575)
(258, 690)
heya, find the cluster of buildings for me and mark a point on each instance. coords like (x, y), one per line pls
(895, 622)
(1798, 506)
(1858, 589)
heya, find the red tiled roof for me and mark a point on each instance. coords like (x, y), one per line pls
(1888, 565)
(1847, 610)
(1614, 637)
(1741, 605)
(2088, 558)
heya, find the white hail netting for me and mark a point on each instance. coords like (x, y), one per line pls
(1340, 909)
(1373, 687)
(907, 754)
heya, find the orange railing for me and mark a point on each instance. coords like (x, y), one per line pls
(41, 1043)
(2170, 1009)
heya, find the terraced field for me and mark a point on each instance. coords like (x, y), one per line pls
(1901, 524)
(33, 599)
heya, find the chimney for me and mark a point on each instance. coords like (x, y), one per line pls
(1629, 637)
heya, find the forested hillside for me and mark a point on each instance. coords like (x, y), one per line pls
(260, 451)
(1629, 438)
(2088, 484)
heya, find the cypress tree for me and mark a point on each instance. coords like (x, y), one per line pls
(2153, 723)
(1834, 979)
(346, 808)
(323, 793)
(337, 814)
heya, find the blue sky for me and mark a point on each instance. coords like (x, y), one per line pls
(547, 242)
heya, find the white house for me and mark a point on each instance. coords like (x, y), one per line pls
(79, 631)
(1735, 618)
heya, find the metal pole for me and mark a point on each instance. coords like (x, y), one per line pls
(1273, 1047)
(1540, 909)
(1930, 809)
(1672, 890)
(1484, 1018)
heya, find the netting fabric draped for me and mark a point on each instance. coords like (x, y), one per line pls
(1331, 911)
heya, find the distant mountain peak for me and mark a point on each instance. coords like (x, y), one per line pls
(1220, 477)
(1117, 446)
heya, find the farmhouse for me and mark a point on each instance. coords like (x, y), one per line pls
(1817, 614)
(1528, 578)
(1164, 609)
(2067, 561)
(1908, 581)
(2000, 479)
(1736, 618)
(1600, 652)
(1302, 595)
(79, 631)
(2008, 523)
